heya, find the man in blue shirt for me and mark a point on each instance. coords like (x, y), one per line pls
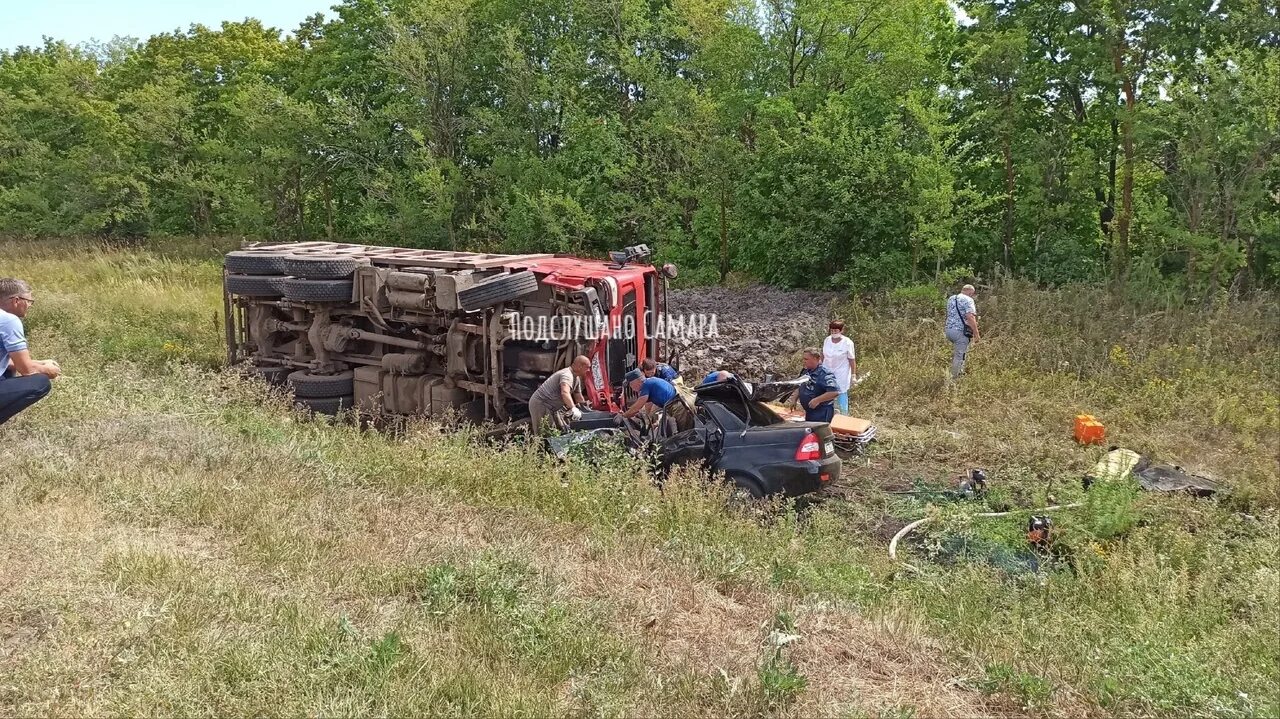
(658, 369)
(717, 376)
(654, 393)
(23, 381)
(817, 396)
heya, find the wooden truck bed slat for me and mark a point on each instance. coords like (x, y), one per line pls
(401, 256)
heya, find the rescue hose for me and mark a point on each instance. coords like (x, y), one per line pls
(893, 544)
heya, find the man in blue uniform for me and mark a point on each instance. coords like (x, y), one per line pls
(817, 396)
(717, 376)
(661, 370)
(654, 393)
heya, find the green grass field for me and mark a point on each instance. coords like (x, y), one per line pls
(176, 541)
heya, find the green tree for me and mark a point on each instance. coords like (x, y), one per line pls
(833, 143)
(69, 164)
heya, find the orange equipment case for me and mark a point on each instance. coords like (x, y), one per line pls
(1088, 430)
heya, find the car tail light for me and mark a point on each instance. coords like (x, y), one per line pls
(810, 448)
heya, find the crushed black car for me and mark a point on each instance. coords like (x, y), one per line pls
(727, 430)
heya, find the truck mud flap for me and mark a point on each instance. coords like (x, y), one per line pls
(502, 288)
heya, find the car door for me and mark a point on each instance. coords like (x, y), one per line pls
(682, 436)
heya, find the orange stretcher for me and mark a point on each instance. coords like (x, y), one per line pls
(854, 428)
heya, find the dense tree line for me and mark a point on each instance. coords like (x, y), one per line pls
(821, 143)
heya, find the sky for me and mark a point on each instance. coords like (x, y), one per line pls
(24, 22)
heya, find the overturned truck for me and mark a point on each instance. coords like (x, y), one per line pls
(436, 333)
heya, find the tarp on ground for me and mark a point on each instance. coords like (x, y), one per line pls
(1119, 464)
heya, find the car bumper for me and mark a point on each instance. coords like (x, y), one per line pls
(796, 478)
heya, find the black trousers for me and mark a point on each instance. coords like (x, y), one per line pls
(19, 393)
(824, 413)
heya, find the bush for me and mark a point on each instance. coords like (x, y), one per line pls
(917, 299)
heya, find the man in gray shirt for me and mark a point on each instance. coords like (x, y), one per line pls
(560, 393)
(961, 327)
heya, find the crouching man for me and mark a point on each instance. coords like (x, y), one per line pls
(559, 395)
(23, 381)
(653, 393)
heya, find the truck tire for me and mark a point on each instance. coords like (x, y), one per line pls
(256, 285)
(502, 288)
(272, 375)
(314, 386)
(321, 267)
(326, 405)
(301, 290)
(247, 262)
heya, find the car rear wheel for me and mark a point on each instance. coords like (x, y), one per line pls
(744, 490)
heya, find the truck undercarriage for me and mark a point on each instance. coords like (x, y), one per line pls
(435, 333)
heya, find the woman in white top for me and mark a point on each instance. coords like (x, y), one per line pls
(839, 358)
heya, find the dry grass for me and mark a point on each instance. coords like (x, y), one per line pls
(179, 549)
(176, 542)
(1195, 388)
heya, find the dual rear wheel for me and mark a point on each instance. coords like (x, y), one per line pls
(301, 278)
(323, 394)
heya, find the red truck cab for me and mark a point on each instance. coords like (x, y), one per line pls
(630, 305)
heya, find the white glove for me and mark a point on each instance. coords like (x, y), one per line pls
(576, 414)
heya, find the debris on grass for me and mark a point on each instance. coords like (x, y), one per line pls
(1119, 464)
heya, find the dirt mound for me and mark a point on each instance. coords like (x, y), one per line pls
(758, 329)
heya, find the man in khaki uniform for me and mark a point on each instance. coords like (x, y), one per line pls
(560, 393)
